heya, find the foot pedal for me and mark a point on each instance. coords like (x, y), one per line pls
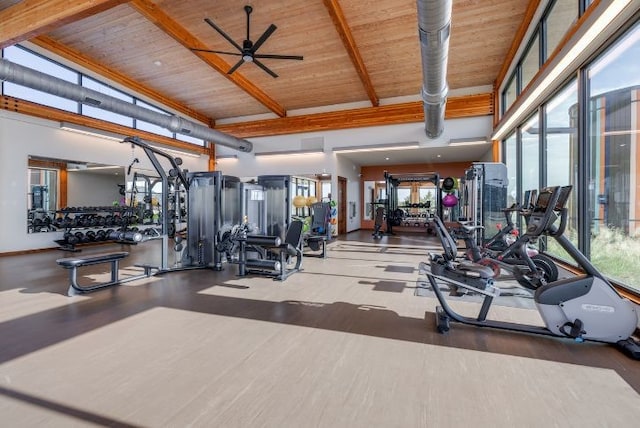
(630, 347)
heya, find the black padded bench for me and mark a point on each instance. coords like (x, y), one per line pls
(74, 263)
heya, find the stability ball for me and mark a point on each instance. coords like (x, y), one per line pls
(449, 200)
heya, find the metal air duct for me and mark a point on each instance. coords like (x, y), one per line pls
(434, 25)
(33, 79)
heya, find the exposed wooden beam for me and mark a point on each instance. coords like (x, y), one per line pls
(30, 18)
(37, 110)
(163, 21)
(340, 22)
(457, 107)
(76, 57)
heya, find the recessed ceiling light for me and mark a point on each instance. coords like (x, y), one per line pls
(157, 63)
(386, 158)
(438, 156)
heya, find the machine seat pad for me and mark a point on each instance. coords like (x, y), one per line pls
(91, 259)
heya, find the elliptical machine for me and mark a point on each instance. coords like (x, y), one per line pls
(585, 307)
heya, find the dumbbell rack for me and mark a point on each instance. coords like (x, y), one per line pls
(91, 224)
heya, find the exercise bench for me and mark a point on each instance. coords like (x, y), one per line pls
(75, 263)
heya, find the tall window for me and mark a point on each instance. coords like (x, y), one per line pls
(614, 199)
(561, 155)
(511, 161)
(530, 137)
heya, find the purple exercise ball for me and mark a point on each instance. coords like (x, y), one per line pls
(449, 200)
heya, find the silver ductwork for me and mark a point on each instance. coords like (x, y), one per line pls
(33, 79)
(434, 25)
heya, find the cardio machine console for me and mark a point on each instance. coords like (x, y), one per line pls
(550, 199)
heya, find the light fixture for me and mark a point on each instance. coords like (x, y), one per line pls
(178, 153)
(290, 153)
(560, 67)
(226, 157)
(468, 141)
(79, 129)
(376, 147)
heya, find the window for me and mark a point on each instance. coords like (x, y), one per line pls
(150, 127)
(561, 117)
(511, 161)
(188, 139)
(530, 62)
(509, 95)
(29, 59)
(614, 209)
(530, 140)
(562, 15)
(97, 113)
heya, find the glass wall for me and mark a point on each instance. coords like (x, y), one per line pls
(601, 159)
(613, 82)
(511, 161)
(559, 16)
(561, 154)
(530, 143)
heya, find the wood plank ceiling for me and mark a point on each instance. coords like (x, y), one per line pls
(355, 51)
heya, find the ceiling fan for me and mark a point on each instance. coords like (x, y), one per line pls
(248, 50)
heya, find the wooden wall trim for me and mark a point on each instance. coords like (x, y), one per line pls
(457, 107)
(154, 14)
(340, 22)
(32, 109)
(28, 19)
(81, 59)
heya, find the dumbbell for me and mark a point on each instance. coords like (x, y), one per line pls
(130, 236)
(90, 236)
(80, 237)
(101, 235)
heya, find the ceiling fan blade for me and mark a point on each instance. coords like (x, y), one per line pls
(264, 67)
(223, 34)
(235, 67)
(298, 57)
(268, 32)
(218, 52)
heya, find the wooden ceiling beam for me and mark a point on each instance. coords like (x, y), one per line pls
(30, 18)
(163, 21)
(340, 22)
(81, 59)
(457, 107)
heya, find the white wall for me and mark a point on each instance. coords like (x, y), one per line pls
(21, 136)
(250, 165)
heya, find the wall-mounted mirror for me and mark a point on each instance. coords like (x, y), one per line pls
(57, 184)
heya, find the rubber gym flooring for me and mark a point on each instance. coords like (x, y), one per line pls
(344, 343)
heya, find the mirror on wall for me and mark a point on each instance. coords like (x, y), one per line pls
(54, 185)
(374, 192)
